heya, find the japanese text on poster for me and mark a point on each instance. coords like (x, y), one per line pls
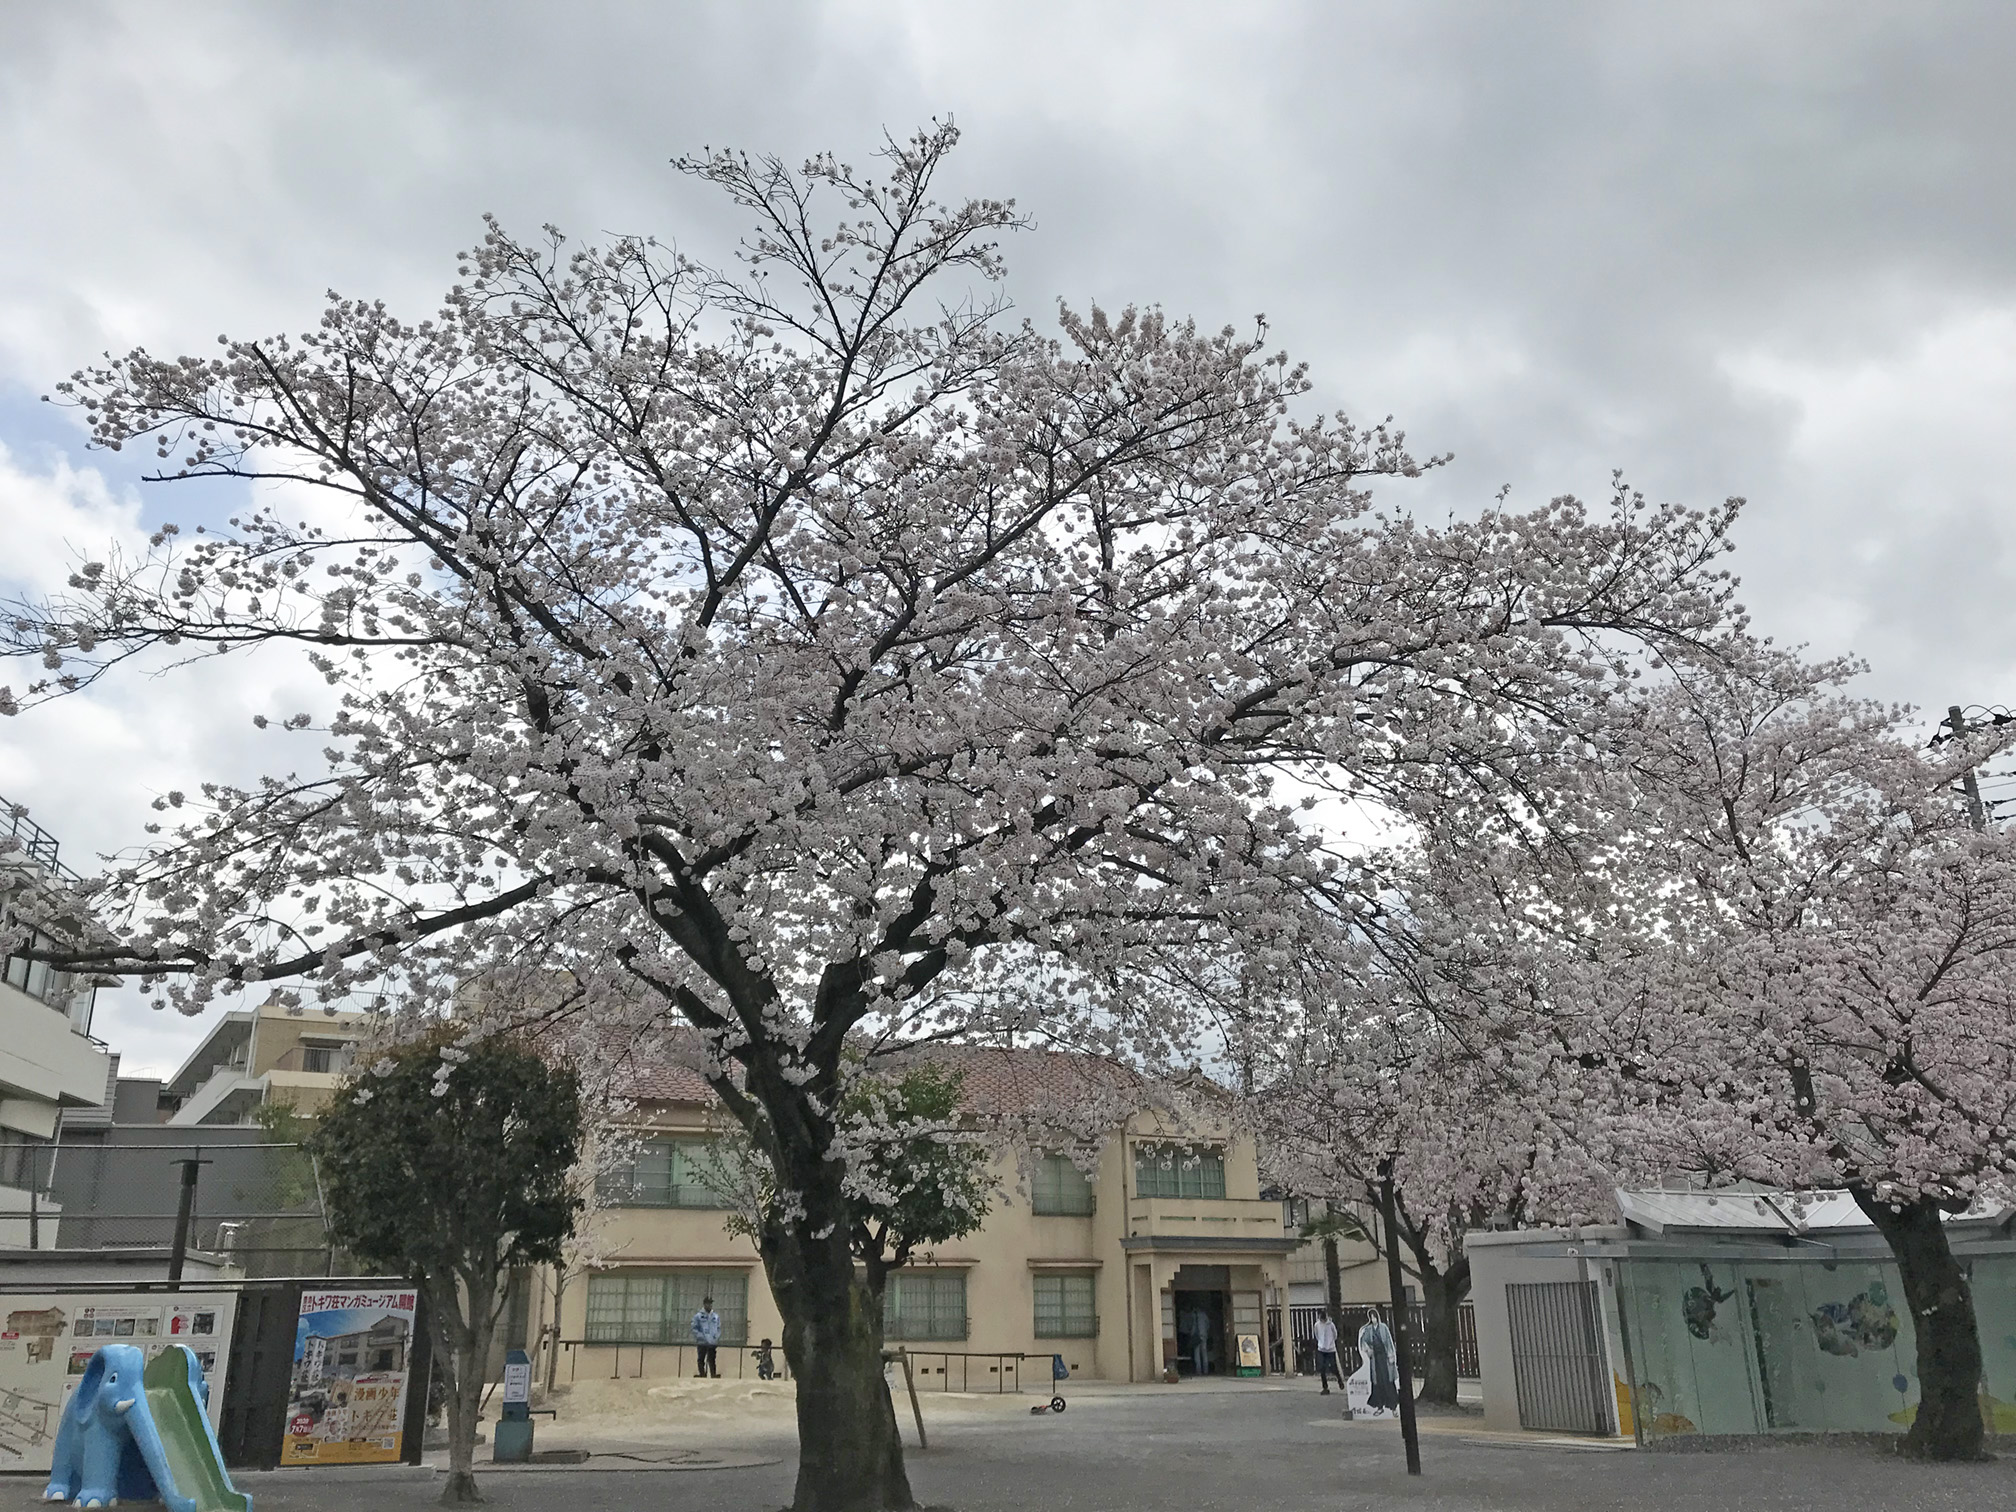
(346, 1401)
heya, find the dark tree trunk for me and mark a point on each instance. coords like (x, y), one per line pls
(1442, 1294)
(850, 1456)
(1948, 1425)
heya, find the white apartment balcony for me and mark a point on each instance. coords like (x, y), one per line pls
(228, 1096)
(45, 1059)
(48, 1060)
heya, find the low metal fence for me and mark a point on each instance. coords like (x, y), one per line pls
(735, 1361)
(933, 1369)
(955, 1364)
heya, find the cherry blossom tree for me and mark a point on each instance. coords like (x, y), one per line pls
(1829, 995)
(1408, 1069)
(798, 640)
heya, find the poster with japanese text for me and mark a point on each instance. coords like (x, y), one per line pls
(346, 1399)
(48, 1339)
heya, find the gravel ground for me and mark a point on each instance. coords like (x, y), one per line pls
(1231, 1446)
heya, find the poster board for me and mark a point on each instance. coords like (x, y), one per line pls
(48, 1339)
(1249, 1354)
(1358, 1396)
(347, 1392)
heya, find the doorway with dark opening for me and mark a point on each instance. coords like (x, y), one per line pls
(1200, 1333)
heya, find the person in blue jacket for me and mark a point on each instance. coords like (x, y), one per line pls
(707, 1338)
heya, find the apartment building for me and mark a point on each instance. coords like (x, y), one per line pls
(1164, 1255)
(268, 1054)
(48, 1061)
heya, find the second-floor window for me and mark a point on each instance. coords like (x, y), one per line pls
(38, 978)
(327, 1059)
(1175, 1170)
(666, 1173)
(1057, 1186)
(58, 989)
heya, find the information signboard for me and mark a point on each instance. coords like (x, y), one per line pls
(346, 1400)
(49, 1338)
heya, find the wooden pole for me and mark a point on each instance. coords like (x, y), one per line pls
(891, 1356)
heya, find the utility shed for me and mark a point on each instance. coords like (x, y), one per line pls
(1730, 1313)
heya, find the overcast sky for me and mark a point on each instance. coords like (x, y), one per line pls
(1728, 249)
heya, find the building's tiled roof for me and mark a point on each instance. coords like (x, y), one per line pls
(999, 1082)
(662, 1079)
(1004, 1083)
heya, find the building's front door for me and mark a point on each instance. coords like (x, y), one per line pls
(1200, 1333)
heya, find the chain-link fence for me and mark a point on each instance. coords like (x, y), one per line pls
(253, 1205)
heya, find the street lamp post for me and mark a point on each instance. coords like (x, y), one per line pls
(1403, 1367)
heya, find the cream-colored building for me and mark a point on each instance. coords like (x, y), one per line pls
(1165, 1256)
(48, 1060)
(1361, 1268)
(268, 1054)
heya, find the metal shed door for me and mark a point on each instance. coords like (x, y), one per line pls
(1557, 1357)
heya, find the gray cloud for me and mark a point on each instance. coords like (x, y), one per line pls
(1728, 248)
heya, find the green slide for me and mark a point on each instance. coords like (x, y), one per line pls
(188, 1444)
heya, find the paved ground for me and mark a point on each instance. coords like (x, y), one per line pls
(1236, 1446)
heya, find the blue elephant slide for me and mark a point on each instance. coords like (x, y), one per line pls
(137, 1431)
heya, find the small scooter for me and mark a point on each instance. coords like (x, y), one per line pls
(1058, 1372)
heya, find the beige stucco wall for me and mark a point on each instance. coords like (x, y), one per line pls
(1000, 1261)
(276, 1033)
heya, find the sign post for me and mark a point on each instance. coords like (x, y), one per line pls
(513, 1443)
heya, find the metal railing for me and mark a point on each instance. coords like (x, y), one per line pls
(955, 1370)
(685, 1359)
(37, 843)
(622, 1189)
(1302, 1336)
(1004, 1364)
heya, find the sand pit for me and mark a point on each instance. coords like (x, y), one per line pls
(644, 1410)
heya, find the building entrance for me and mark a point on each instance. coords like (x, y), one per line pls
(1201, 1333)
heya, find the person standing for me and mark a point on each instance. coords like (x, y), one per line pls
(1326, 1351)
(1197, 1325)
(707, 1338)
